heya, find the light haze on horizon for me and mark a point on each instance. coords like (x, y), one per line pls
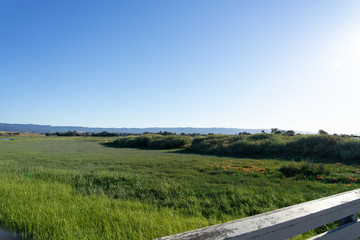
(236, 64)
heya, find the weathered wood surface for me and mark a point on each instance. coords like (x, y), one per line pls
(283, 223)
(5, 235)
(350, 230)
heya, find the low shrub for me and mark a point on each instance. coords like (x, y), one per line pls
(270, 145)
(306, 169)
(308, 146)
(154, 141)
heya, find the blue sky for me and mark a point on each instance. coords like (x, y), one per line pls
(244, 64)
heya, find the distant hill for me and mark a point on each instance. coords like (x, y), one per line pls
(33, 128)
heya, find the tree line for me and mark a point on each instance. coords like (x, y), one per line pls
(75, 133)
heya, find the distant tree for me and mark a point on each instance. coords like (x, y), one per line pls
(74, 133)
(105, 134)
(289, 133)
(322, 132)
(276, 131)
(244, 133)
(194, 134)
(166, 133)
(68, 133)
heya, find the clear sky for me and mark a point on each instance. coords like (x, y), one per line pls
(243, 64)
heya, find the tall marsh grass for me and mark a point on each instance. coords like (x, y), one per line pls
(76, 188)
(154, 141)
(274, 145)
(307, 146)
(52, 210)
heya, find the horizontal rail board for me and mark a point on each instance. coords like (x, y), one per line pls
(347, 232)
(6, 235)
(281, 223)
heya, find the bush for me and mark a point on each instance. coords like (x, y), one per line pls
(133, 141)
(317, 145)
(168, 142)
(306, 169)
(322, 146)
(349, 149)
(263, 144)
(154, 141)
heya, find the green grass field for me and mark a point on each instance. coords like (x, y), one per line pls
(79, 188)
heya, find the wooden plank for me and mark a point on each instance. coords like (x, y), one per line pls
(282, 223)
(349, 231)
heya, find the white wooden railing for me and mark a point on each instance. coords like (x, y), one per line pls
(290, 221)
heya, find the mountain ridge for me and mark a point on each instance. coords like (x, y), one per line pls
(37, 128)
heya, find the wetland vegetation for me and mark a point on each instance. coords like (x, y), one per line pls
(89, 188)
